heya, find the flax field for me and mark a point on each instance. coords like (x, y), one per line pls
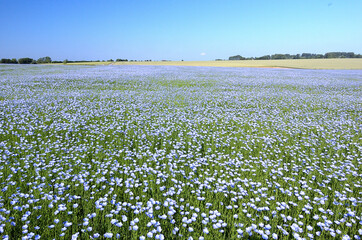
(179, 152)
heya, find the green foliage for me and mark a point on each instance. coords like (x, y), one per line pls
(44, 60)
(339, 55)
(279, 56)
(5, 60)
(237, 57)
(9, 61)
(303, 56)
(25, 60)
(266, 57)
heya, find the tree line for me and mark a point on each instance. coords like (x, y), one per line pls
(26, 60)
(49, 60)
(300, 56)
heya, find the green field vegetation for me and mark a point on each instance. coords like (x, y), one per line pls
(337, 63)
(129, 152)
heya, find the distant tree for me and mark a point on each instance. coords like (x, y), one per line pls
(237, 57)
(296, 56)
(121, 60)
(65, 61)
(279, 56)
(302, 56)
(266, 57)
(339, 55)
(5, 60)
(44, 60)
(110, 60)
(330, 55)
(306, 55)
(25, 60)
(9, 61)
(350, 55)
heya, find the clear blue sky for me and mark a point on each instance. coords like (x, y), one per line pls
(175, 30)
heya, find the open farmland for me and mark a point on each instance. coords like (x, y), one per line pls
(172, 152)
(334, 63)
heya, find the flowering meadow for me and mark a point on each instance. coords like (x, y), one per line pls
(171, 152)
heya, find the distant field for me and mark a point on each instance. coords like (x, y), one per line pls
(342, 63)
